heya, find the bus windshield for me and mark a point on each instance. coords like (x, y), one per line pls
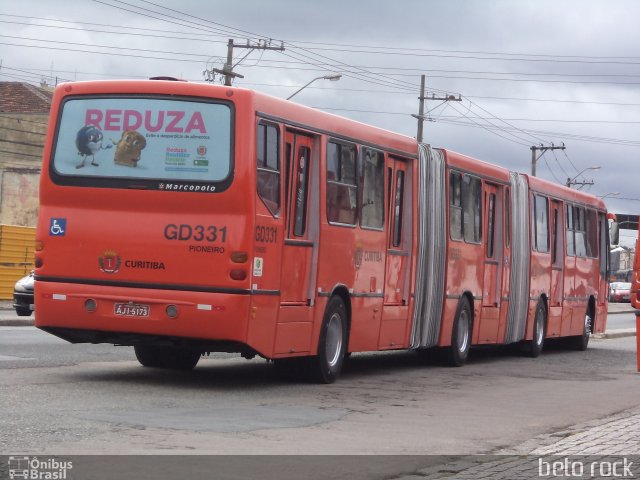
(150, 139)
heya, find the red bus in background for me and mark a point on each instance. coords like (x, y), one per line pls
(185, 218)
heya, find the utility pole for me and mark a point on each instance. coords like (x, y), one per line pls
(542, 149)
(422, 98)
(421, 109)
(227, 69)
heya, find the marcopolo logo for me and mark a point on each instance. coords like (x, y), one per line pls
(38, 469)
(186, 187)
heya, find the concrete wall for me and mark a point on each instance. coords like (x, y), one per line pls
(19, 196)
(21, 144)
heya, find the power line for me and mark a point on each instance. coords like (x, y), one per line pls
(550, 170)
(129, 33)
(560, 164)
(432, 72)
(585, 138)
(491, 130)
(376, 48)
(75, 22)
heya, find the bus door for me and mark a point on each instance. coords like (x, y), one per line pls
(298, 248)
(505, 268)
(299, 245)
(396, 292)
(603, 287)
(569, 293)
(491, 292)
(556, 289)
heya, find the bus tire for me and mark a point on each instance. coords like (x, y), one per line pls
(581, 342)
(458, 352)
(172, 358)
(325, 367)
(533, 348)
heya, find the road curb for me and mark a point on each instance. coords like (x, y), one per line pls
(18, 323)
(626, 332)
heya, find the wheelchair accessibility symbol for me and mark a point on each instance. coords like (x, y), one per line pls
(58, 227)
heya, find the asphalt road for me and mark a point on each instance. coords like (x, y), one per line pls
(58, 398)
(621, 321)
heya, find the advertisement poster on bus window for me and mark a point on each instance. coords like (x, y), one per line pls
(144, 139)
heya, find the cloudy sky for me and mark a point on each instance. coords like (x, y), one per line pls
(529, 72)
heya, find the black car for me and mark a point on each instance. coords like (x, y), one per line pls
(23, 296)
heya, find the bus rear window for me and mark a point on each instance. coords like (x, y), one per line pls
(160, 143)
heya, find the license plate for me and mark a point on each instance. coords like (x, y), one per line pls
(131, 309)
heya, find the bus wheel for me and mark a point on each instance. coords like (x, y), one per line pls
(533, 348)
(461, 336)
(325, 367)
(581, 342)
(172, 358)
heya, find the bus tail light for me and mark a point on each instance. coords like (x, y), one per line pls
(39, 246)
(239, 257)
(238, 274)
(38, 262)
(172, 311)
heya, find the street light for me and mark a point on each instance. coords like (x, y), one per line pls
(570, 181)
(333, 78)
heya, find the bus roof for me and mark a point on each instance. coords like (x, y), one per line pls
(328, 123)
(479, 167)
(565, 193)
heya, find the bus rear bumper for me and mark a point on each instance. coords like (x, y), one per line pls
(128, 316)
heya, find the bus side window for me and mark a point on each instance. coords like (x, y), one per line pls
(399, 206)
(455, 205)
(556, 252)
(592, 233)
(580, 231)
(268, 166)
(491, 225)
(372, 215)
(541, 224)
(342, 189)
(300, 198)
(507, 216)
(472, 209)
(571, 249)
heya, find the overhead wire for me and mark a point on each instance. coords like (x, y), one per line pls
(228, 30)
(560, 164)
(504, 121)
(308, 56)
(518, 141)
(550, 169)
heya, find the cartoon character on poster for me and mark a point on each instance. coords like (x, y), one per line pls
(129, 148)
(88, 143)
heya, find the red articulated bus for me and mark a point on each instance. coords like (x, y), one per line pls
(185, 218)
